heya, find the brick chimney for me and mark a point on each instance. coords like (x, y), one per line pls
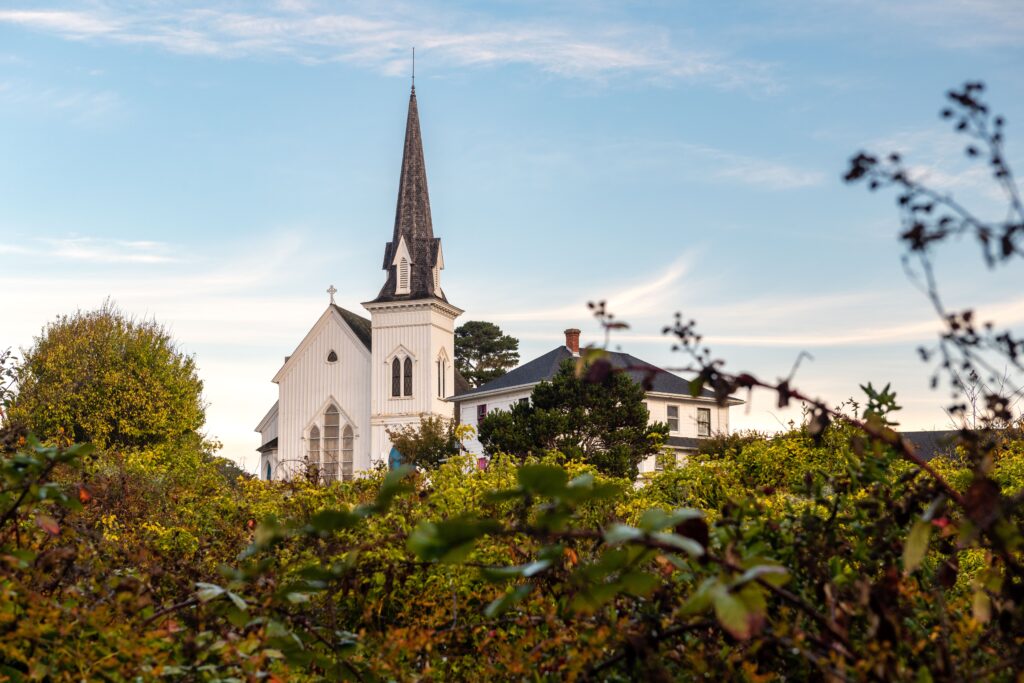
(572, 340)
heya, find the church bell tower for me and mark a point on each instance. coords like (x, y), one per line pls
(413, 325)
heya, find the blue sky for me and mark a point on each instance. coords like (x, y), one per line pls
(217, 165)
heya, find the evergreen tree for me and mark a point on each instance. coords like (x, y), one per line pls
(483, 352)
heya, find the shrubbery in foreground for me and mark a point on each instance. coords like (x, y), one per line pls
(774, 555)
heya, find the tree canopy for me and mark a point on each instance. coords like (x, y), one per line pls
(604, 423)
(483, 352)
(110, 380)
(426, 445)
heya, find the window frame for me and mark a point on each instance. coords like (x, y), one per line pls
(396, 377)
(347, 462)
(407, 377)
(703, 428)
(481, 413)
(672, 420)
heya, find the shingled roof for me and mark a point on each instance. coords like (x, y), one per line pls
(412, 221)
(359, 325)
(545, 367)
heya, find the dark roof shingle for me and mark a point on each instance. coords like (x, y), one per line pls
(359, 325)
(545, 367)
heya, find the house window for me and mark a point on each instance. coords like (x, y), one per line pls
(481, 413)
(524, 401)
(314, 446)
(332, 357)
(440, 378)
(703, 421)
(347, 450)
(673, 418)
(331, 422)
(396, 377)
(268, 471)
(408, 377)
(403, 276)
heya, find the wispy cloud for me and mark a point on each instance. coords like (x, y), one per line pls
(765, 173)
(627, 300)
(93, 250)
(79, 103)
(380, 38)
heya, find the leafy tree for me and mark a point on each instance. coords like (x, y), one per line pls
(483, 352)
(603, 422)
(104, 378)
(428, 444)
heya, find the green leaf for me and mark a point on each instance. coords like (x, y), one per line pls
(333, 520)
(916, 546)
(732, 613)
(618, 534)
(696, 385)
(503, 496)
(507, 600)
(208, 591)
(687, 545)
(700, 600)
(981, 606)
(639, 583)
(772, 573)
(449, 540)
(547, 480)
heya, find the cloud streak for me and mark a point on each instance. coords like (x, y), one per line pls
(381, 41)
(93, 250)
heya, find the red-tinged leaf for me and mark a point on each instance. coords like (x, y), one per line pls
(83, 494)
(48, 524)
(733, 614)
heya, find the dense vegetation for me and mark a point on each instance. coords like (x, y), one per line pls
(830, 552)
(767, 554)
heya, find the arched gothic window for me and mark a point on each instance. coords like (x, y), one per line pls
(396, 377)
(314, 446)
(408, 376)
(268, 471)
(442, 377)
(331, 422)
(347, 450)
(403, 276)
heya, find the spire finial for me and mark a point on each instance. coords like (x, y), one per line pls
(414, 68)
(332, 291)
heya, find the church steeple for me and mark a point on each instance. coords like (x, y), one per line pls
(413, 256)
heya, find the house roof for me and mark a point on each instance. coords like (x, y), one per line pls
(930, 444)
(462, 384)
(412, 221)
(359, 325)
(545, 367)
(268, 446)
(687, 442)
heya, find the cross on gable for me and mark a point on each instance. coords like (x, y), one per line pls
(332, 291)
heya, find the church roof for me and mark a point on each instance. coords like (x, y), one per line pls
(359, 325)
(545, 367)
(412, 221)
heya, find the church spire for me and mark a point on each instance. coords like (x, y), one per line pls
(413, 238)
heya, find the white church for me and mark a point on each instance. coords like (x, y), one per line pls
(352, 378)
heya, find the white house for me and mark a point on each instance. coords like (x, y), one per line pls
(668, 400)
(351, 378)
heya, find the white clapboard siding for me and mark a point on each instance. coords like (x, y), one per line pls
(308, 383)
